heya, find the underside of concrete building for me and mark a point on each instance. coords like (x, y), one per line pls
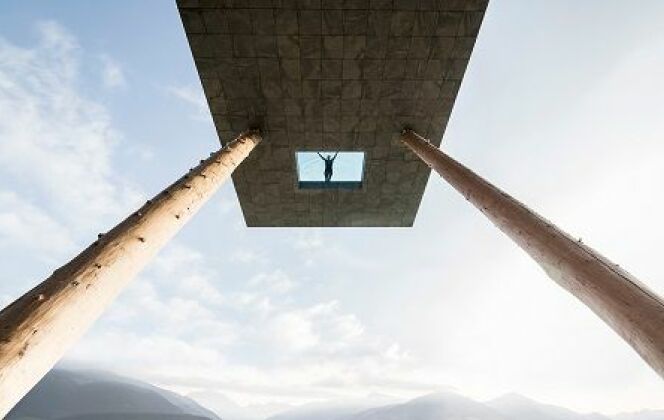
(331, 76)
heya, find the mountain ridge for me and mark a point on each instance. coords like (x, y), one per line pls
(65, 394)
(450, 405)
(76, 394)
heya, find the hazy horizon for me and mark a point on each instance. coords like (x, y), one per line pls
(517, 405)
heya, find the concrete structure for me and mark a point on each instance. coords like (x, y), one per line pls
(633, 311)
(331, 75)
(39, 327)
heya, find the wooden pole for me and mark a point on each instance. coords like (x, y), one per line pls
(38, 328)
(628, 306)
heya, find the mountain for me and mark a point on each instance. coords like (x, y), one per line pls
(641, 415)
(515, 406)
(230, 410)
(439, 406)
(93, 395)
(125, 416)
(66, 394)
(452, 406)
(333, 410)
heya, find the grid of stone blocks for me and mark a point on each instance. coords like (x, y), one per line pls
(331, 75)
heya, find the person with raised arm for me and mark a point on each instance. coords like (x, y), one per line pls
(329, 161)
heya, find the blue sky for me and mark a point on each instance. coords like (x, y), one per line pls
(561, 106)
(347, 166)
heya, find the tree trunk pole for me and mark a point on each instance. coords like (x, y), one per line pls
(626, 305)
(39, 327)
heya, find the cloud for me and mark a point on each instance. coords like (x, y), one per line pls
(292, 332)
(182, 334)
(185, 273)
(22, 223)
(112, 74)
(194, 97)
(53, 139)
(310, 239)
(246, 256)
(277, 282)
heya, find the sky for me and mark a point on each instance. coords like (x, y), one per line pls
(101, 107)
(346, 166)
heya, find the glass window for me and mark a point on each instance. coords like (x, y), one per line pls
(334, 168)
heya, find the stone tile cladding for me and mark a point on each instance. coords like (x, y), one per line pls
(331, 75)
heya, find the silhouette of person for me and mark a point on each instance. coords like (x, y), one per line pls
(329, 161)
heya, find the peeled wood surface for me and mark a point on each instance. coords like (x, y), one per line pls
(37, 329)
(628, 306)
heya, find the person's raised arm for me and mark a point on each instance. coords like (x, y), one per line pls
(335, 155)
(319, 155)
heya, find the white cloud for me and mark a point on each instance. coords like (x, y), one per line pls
(277, 282)
(310, 239)
(22, 223)
(184, 272)
(247, 256)
(112, 74)
(193, 96)
(54, 139)
(292, 333)
(253, 335)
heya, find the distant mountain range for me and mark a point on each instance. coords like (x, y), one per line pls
(452, 406)
(94, 395)
(518, 407)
